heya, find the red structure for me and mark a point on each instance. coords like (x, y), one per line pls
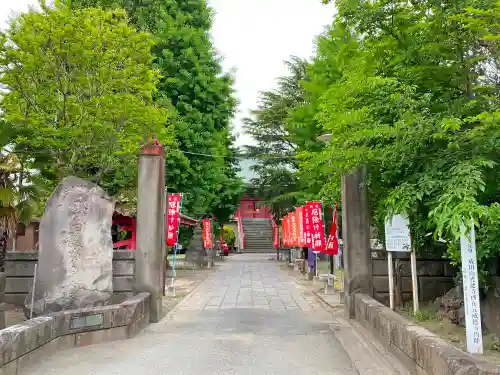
(129, 224)
(251, 208)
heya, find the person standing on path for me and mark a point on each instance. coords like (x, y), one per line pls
(311, 261)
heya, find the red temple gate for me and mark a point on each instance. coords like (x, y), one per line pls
(129, 224)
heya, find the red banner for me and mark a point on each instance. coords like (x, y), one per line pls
(300, 227)
(287, 230)
(283, 231)
(332, 245)
(295, 237)
(318, 228)
(207, 234)
(276, 236)
(173, 216)
(307, 225)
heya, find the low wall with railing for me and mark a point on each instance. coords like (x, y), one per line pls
(20, 269)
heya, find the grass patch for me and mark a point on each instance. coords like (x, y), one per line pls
(495, 344)
(170, 257)
(436, 322)
(426, 315)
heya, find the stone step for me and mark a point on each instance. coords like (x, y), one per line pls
(250, 244)
(257, 226)
(257, 248)
(255, 220)
(259, 251)
(262, 223)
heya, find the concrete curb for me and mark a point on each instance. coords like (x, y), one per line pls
(355, 341)
(373, 361)
(329, 304)
(167, 316)
(418, 349)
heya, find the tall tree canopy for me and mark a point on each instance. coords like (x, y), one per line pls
(78, 97)
(275, 146)
(410, 90)
(193, 84)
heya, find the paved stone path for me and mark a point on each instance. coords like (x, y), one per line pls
(249, 317)
(249, 285)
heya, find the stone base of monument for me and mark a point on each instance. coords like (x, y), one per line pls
(23, 346)
(200, 258)
(40, 306)
(196, 254)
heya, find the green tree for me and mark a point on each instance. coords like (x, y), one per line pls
(229, 236)
(276, 143)
(79, 94)
(410, 94)
(191, 82)
(409, 90)
(20, 192)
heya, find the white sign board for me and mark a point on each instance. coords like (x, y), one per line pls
(397, 234)
(471, 291)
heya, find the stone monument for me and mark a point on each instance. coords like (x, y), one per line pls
(75, 249)
(195, 252)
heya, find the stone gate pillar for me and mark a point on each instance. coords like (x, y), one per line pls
(150, 253)
(356, 238)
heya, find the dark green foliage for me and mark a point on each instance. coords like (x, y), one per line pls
(78, 100)
(410, 90)
(193, 86)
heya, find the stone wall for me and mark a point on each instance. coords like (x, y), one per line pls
(418, 349)
(490, 306)
(435, 278)
(20, 266)
(24, 345)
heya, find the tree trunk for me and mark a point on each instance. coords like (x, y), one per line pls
(3, 247)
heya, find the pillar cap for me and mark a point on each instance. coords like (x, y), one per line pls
(153, 147)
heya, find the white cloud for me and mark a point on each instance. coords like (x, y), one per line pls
(8, 8)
